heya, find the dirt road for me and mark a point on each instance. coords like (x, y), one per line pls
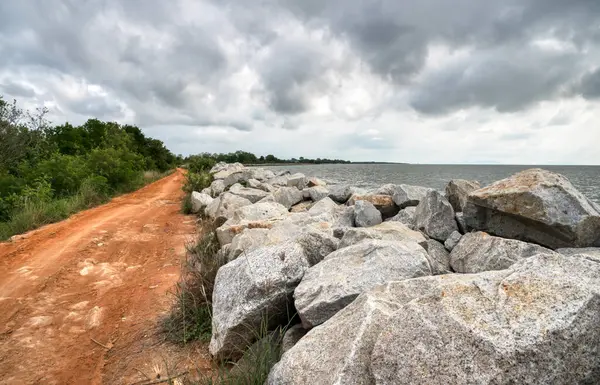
(104, 274)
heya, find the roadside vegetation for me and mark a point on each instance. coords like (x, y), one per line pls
(48, 172)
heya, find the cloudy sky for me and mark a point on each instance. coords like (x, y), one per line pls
(428, 81)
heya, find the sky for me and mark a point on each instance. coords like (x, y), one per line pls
(428, 81)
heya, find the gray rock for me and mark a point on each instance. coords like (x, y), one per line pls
(535, 206)
(211, 209)
(250, 289)
(236, 177)
(297, 180)
(292, 336)
(407, 195)
(344, 217)
(200, 201)
(254, 183)
(386, 189)
(452, 240)
(259, 174)
(302, 206)
(228, 203)
(435, 216)
(534, 323)
(439, 257)
(384, 203)
(317, 193)
(287, 196)
(340, 193)
(252, 194)
(246, 241)
(479, 251)
(207, 191)
(217, 188)
(257, 216)
(317, 245)
(365, 214)
(405, 216)
(323, 206)
(279, 180)
(332, 284)
(460, 222)
(312, 182)
(222, 170)
(388, 231)
(592, 251)
(457, 191)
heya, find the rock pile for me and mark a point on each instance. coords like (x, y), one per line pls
(404, 284)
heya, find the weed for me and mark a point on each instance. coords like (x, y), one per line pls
(190, 318)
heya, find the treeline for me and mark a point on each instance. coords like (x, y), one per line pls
(249, 158)
(48, 172)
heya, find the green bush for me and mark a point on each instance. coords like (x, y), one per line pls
(121, 168)
(197, 181)
(65, 173)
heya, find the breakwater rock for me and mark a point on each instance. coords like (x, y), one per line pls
(404, 284)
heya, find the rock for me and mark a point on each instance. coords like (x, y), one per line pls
(297, 180)
(279, 180)
(257, 216)
(457, 191)
(323, 206)
(246, 241)
(292, 336)
(211, 209)
(477, 252)
(405, 216)
(254, 183)
(200, 201)
(222, 170)
(387, 231)
(435, 216)
(252, 194)
(384, 203)
(301, 207)
(251, 289)
(534, 323)
(217, 187)
(460, 222)
(340, 193)
(259, 174)
(317, 193)
(535, 206)
(452, 240)
(439, 257)
(207, 191)
(386, 189)
(365, 214)
(344, 217)
(593, 252)
(312, 182)
(236, 177)
(332, 284)
(228, 203)
(407, 195)
(317, 245)
(287, 196)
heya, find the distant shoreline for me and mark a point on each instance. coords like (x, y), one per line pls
(316, 164)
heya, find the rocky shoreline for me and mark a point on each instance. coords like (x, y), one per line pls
(405, 284)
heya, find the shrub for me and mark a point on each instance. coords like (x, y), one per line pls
(121, 168)
(197, 181)
(65, 173)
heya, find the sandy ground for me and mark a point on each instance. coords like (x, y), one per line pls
(105, 274)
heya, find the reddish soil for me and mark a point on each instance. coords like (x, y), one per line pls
(105, 274)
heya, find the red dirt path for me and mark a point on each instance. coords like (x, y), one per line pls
(103, 274)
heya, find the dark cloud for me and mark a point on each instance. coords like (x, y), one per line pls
(16, 90)
(590, 85)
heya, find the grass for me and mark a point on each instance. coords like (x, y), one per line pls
(38, 213)
(191, 318)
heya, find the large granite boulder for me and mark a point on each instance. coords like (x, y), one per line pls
(250, 290)
(287, 196)
(535, 206)
(435, 217)
(252, 194)
(366, 215)
(259, 174)
(317, 193)
(406, 195)
(279, 180)
(292, 336)
(439, 257)
(222, 170)
(200, 201)
(452, 240)
(256, 216)
(387, 231)
(340, 193)
(297, 180)
(479, 251)
(384, 203)
(228, 203)
(591, 252)
(217, 187)
(405, 216)
(534, 323)
(312, 182)
(457, 191)
(332, 284)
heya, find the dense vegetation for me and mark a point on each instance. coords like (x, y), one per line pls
(49, 172)
(249, 158)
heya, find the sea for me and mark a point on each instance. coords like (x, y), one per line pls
(369, 176)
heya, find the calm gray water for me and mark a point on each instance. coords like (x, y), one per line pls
(585, 178)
